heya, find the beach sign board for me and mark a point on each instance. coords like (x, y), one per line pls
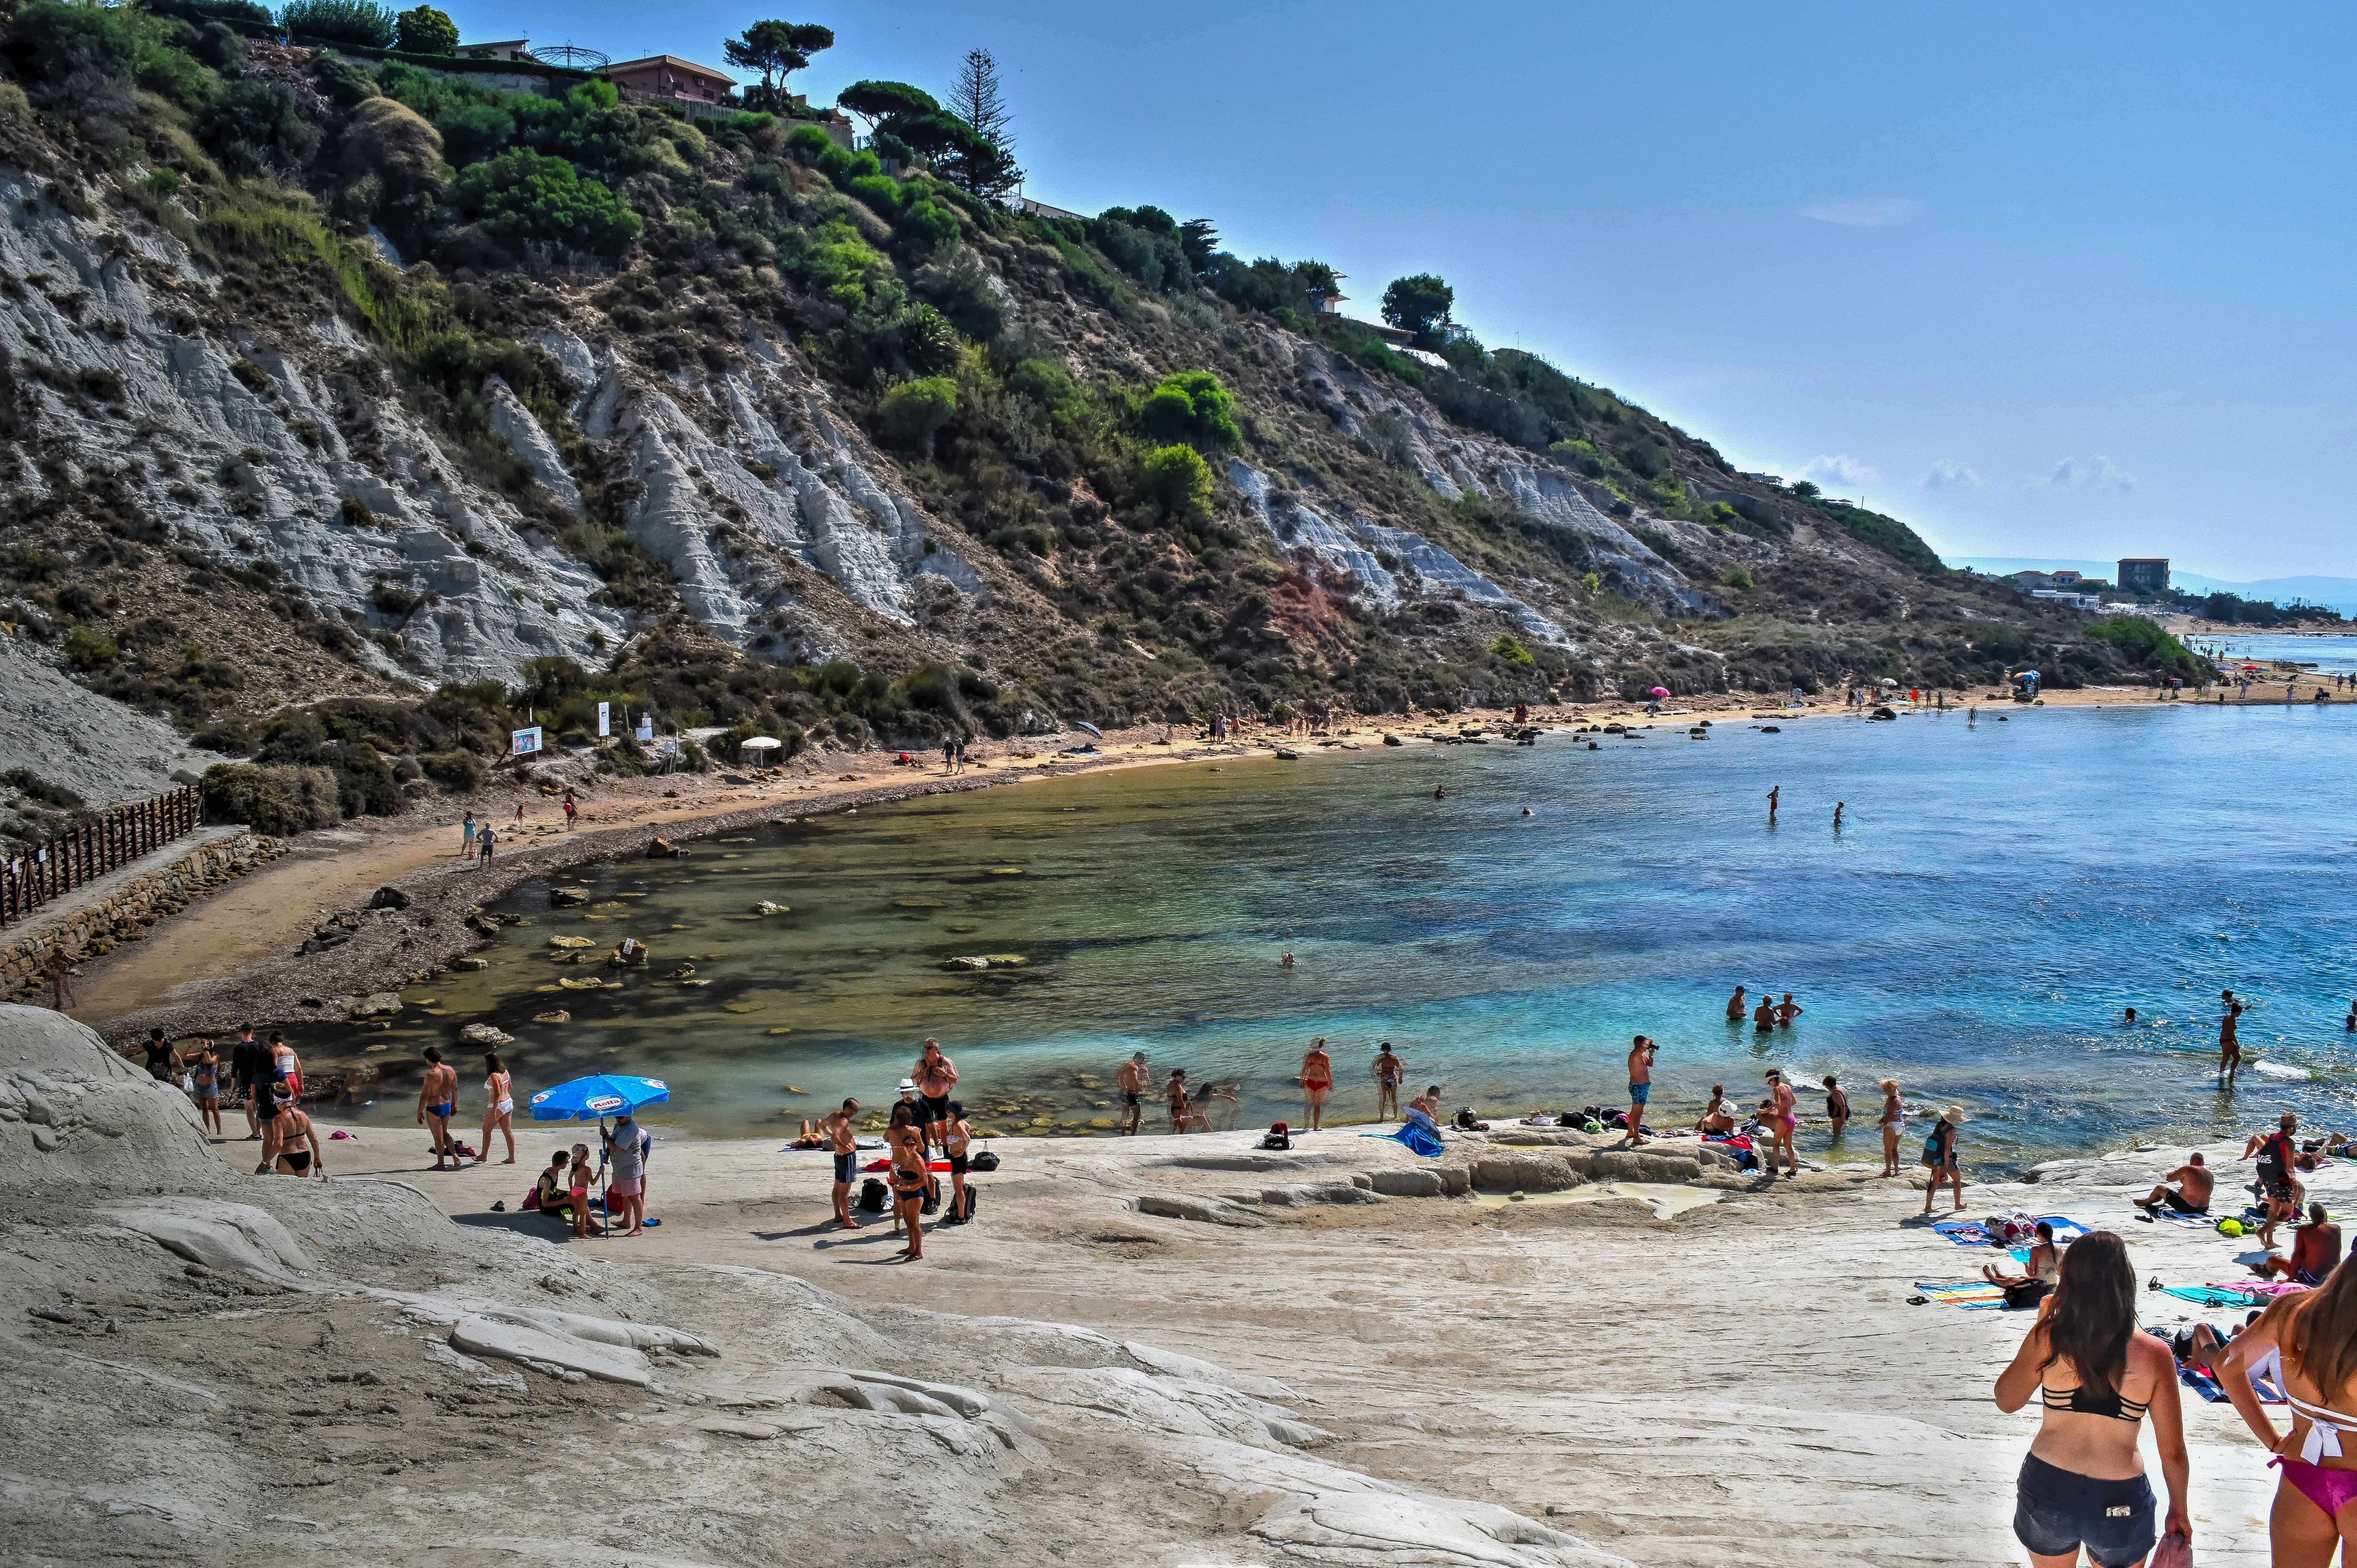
(646, 726)
(524, 741)
(605, 719)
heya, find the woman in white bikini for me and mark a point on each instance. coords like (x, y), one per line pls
(2083, 1483)
(2313, 1335)
(1894, 1122)
(499, 1097)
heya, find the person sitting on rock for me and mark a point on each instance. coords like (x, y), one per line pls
(551, 1189)
(2195, 1181)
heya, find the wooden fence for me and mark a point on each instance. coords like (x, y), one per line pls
(114, 838)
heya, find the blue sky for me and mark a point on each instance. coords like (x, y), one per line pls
(2065, 281)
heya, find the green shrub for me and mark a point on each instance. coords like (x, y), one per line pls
(255, 126)
(280, 802)
(57, 50)
(1505, 647)
(1736, 577)
(808, 143)
(525, 195)
(914, 412)
(369, 27)
(87, 649)
(40, 792)
(1193, 407)
(1177, 479)
(2145, 643)
(426, 31)
(453, 769)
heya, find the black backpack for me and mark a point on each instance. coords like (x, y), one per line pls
(1278, 1137)
(873, 1198)
(966, 1216)
(984, 1161)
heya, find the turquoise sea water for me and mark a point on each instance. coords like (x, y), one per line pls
(1999, 892)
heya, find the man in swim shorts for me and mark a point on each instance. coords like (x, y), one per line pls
(1641, 1086)
(2230, 1047)
(835, 1128)
(2315, 1251)
(438, 1101)
(1388, 1070)
(935, 1075)
(2195, 1182)
(1735, 1006)
(1130, 1077)
(1763, 1017)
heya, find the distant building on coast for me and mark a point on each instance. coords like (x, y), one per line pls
(2143, 575)
(2036, 582)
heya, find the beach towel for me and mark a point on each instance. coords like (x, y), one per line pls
(2066, 1230)
(1416, 1139)
(2213, 1295)
(1969, 1294)
(1965, 1232)
(2201, 1383)
(2172, 1217)
(886, 1164)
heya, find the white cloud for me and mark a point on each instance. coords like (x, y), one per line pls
(1866, 211)
(2097, 474)
(1841, 471)
(1952, 477)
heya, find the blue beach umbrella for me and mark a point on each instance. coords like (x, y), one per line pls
(597, 1097)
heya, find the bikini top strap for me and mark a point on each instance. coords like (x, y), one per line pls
(2324, 1428)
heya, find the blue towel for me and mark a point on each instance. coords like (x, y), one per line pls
(2209, 1295)
(1414, 1138)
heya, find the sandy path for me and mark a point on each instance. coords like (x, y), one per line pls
(1745, 1385)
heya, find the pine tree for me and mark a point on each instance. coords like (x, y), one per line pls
(987, 169)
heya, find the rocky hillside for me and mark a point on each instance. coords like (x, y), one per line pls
(329, 382)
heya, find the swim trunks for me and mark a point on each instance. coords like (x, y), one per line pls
(2176, 1200)
(846, 1166)
(958, 1165)
(937, 1106)
(1639, 1093)
(1129, 1099)
(1316, 1085)
(443, 1110)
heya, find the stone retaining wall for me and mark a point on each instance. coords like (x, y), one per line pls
(125, 914)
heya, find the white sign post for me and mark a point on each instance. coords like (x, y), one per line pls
(605, 723)
(646, 726)
(524, 741)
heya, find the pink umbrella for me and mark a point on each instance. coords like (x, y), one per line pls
(1660, 691)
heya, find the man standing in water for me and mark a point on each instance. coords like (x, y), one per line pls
(437, 1100)
(1736, 1007)
(2230, 1049)
(1641, 1086)
(836, 1130)
(1772, 793)
(1763, 1017)
(1388, 1070)
(1130, 1078)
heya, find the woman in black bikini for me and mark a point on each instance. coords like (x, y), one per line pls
(290, 1135)
(910, 1176)
(2083, 1483)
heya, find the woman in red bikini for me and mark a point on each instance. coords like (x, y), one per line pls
(2315, 1333)
(1317, 1080)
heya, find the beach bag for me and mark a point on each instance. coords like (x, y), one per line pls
(873, 1199)
(1278, 1137)
(1465, 1118)
(1932, 1149)
(530, 1204)
(2027, 1294)
(984, 1161)
(965, 1214)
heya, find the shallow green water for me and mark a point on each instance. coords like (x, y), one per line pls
(1998, 893)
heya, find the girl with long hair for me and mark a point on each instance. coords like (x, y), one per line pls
(910, 1176)
(2313, 1338)
(2082, 1482)
(498, 1113)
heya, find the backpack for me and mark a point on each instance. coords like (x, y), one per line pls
(1932, 1147)
(966, 1216)
(984, 1161)
(1465, 1117)
(873, 1199)
(1277, 1138)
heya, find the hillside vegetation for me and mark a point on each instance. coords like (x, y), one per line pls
(355, 405)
